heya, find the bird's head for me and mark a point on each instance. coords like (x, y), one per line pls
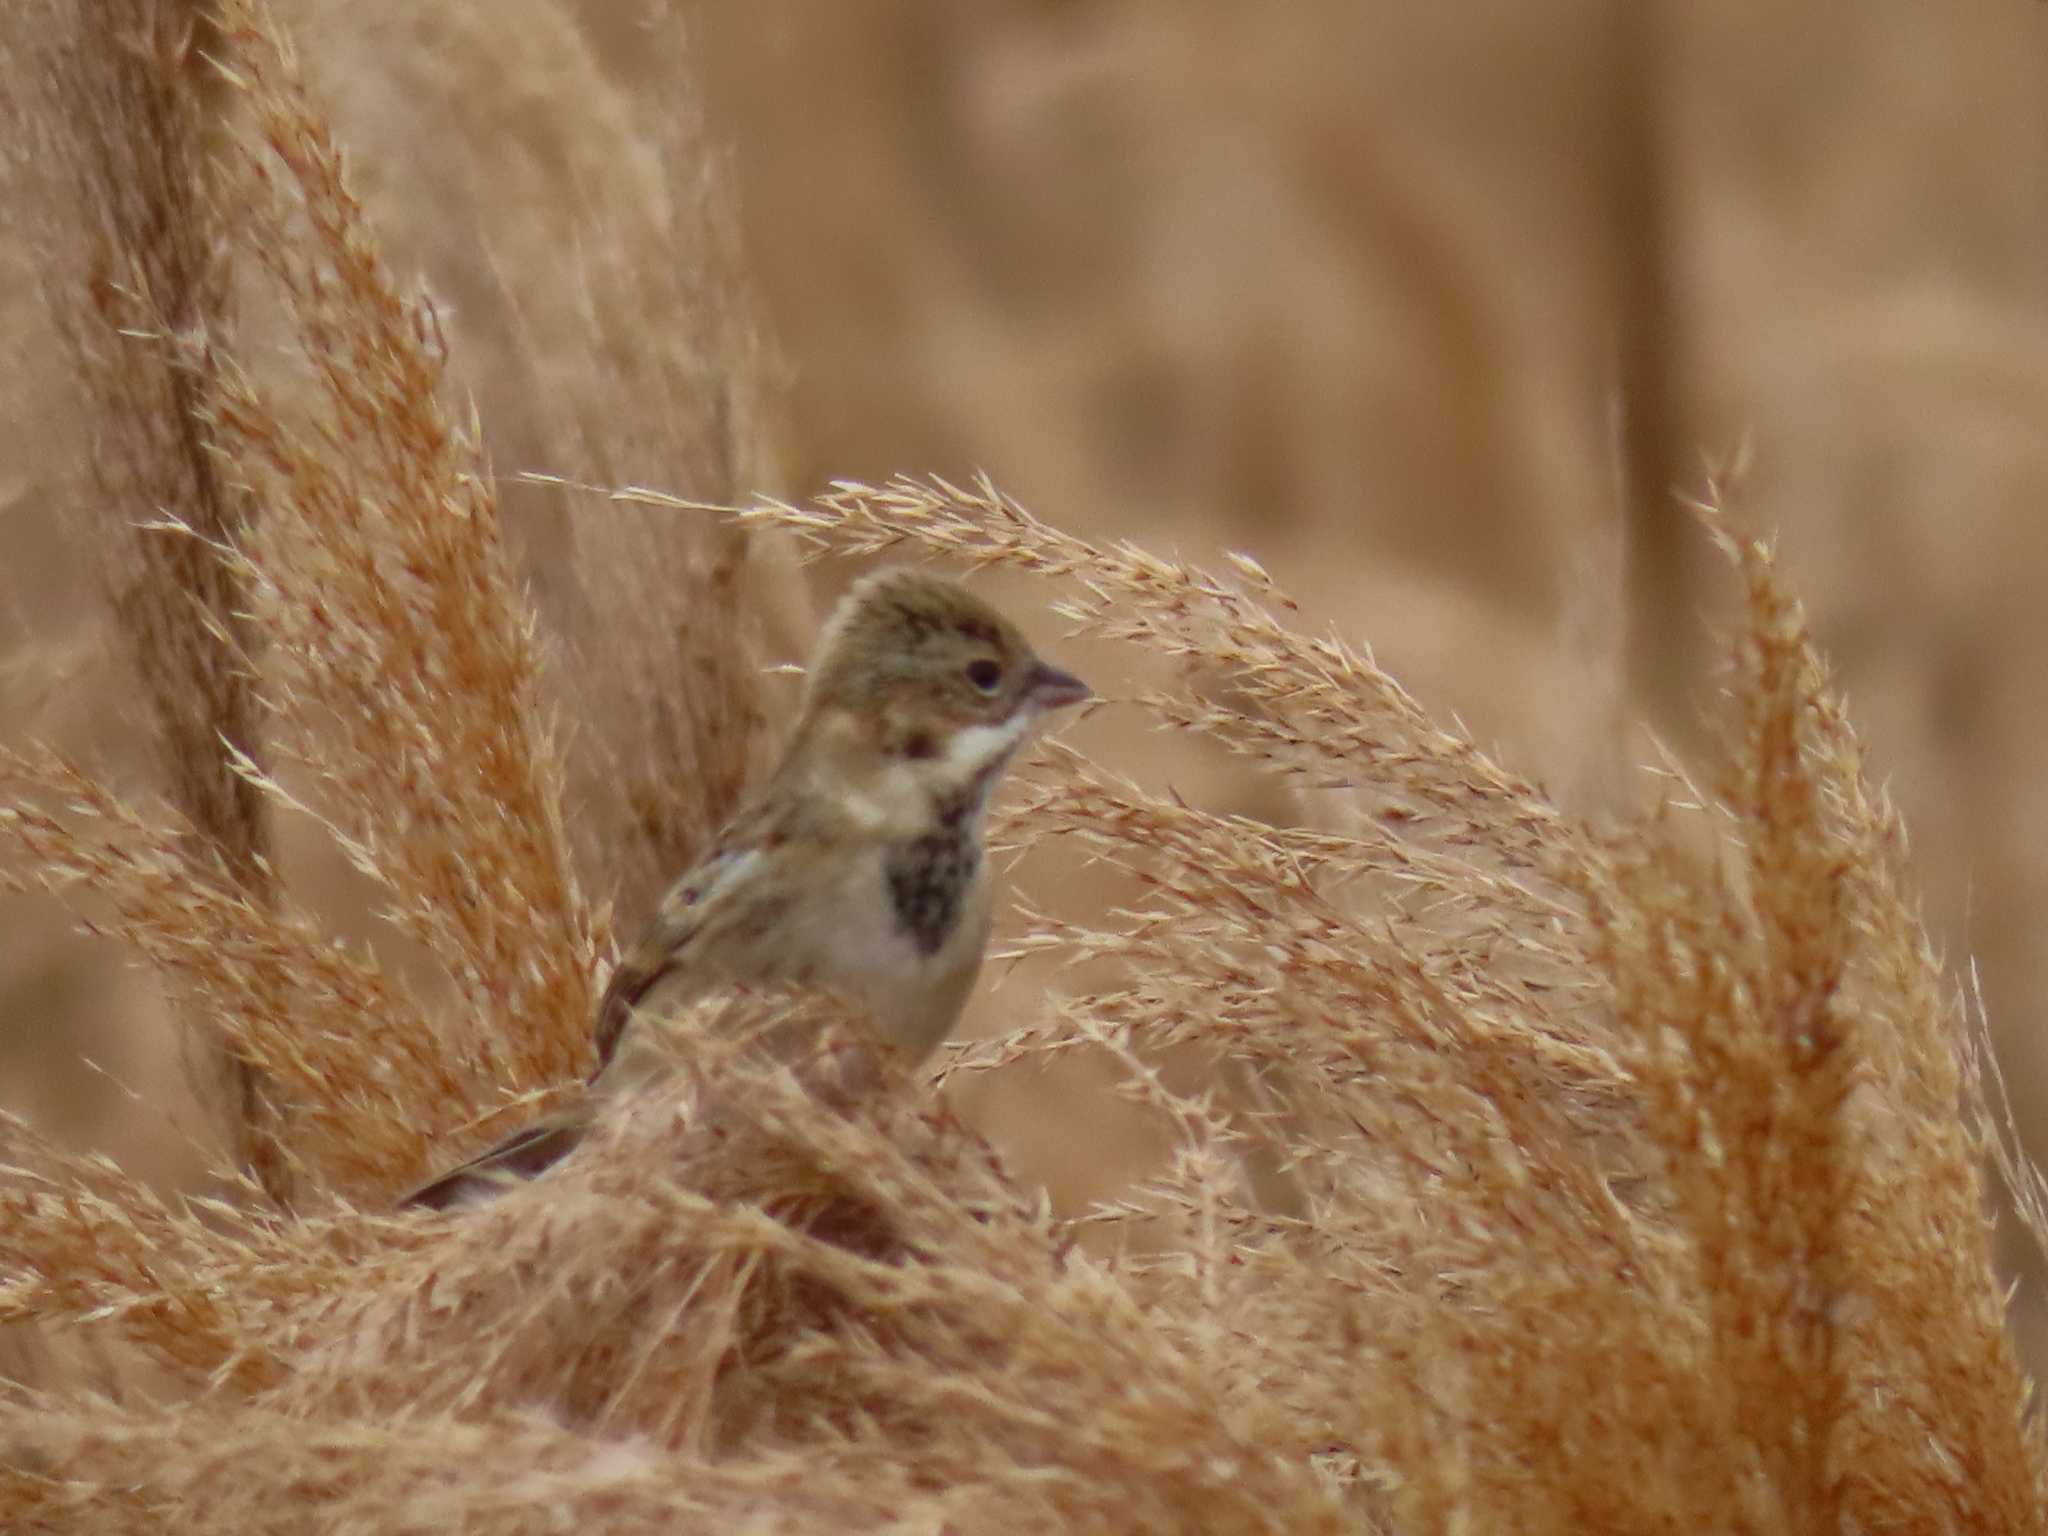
(924, 691)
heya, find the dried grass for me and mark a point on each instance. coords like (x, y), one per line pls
(667, 623)
(403, 671)
(125, 146)
(1629, 1179)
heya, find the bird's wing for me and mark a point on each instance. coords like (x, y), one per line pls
(523, 1155)
(702, 899)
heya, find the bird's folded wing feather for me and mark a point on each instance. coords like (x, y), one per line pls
(519, 1156)
(667, 945)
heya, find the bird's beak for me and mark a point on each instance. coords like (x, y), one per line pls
(1050, 688)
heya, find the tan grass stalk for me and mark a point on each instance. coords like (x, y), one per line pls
(334, 1034)
(1317, 708)
(756, 1274)
(403, 668)
(135, 265)
(637, 309)
(1609, 1255)
(1627, 1185)
(1780, 1016)
(1998, 1129)
(672, 696)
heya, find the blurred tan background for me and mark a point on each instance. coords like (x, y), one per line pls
(1426, 307)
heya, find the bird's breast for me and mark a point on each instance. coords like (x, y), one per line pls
(903, 925)
(928, 880)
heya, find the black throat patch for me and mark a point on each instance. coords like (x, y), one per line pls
(929, 878)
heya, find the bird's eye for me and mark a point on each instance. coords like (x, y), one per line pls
(985, 674)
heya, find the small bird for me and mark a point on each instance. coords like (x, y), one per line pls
(858, 865)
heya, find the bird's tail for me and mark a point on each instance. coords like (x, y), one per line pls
(633, 980)
(522, 1156)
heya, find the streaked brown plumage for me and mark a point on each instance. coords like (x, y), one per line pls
(858, 864)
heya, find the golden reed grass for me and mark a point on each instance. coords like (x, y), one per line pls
(138, 212)
(1546, 1176)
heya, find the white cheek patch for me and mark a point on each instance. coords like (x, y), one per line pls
(897, 800)
(973, 750)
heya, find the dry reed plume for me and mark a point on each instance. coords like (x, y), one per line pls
(130, 163)
(1541, 1177)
